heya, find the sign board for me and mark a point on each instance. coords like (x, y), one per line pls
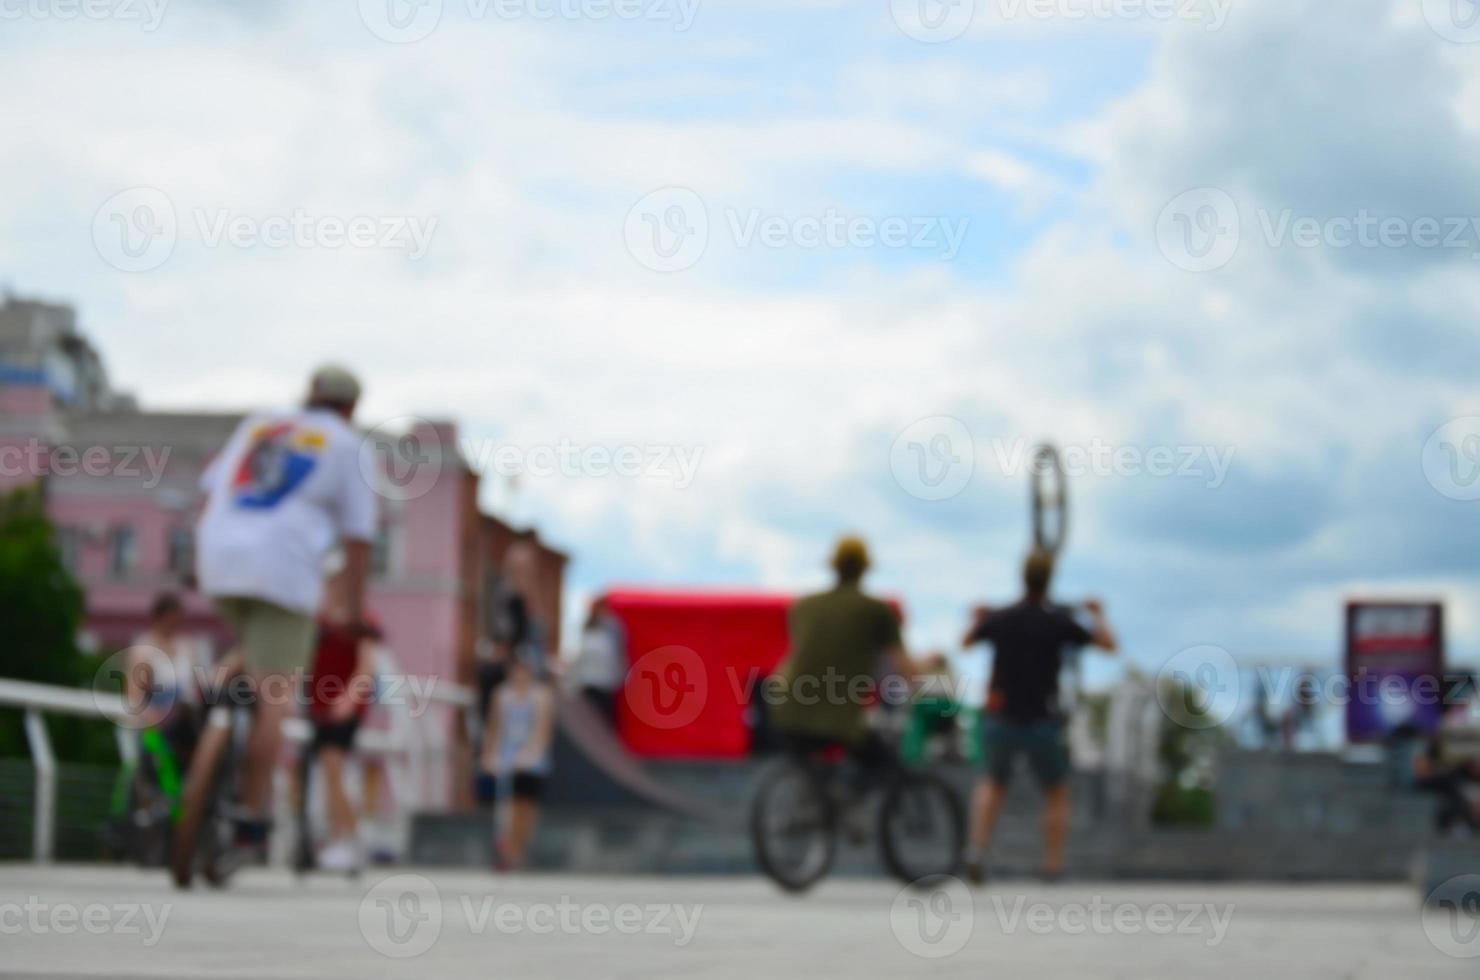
(1395, 665)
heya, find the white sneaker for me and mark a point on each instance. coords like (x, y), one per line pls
(340, 855)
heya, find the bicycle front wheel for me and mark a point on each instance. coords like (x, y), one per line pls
(922, 830)
(193, 832)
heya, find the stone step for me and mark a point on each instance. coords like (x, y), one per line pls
(624, 842)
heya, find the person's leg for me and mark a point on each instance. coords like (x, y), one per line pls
(341, 810)
(521, 828)
(1055, 828)
(372, 782)
(990, 793)
(1048, 754)
(524, 792)
(265, 743)
(986, 807)
(275, 646)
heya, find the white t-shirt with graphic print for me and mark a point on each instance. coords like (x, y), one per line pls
(284, 491)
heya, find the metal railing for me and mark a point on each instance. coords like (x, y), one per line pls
(404, 745)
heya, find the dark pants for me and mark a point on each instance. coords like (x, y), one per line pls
(604, 701)
(870, 754)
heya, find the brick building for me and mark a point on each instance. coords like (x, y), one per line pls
(121, 487)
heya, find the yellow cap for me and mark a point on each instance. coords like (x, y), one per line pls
(850, 557)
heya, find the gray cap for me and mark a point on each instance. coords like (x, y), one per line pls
(335, 385)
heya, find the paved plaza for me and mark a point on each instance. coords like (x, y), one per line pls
(113, 922)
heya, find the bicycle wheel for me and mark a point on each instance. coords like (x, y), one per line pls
(793, 826)
(198, 806)
(146, 825)
(1050, 499)
(304, 860)
(922, 831)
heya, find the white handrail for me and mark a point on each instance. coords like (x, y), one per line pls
(62, 700)
(36, 700)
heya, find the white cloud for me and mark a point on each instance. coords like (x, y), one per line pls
(530, 322)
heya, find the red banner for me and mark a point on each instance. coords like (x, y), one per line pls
(696, 661)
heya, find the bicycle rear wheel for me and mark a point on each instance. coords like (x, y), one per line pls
(793, 826)
(922, 830)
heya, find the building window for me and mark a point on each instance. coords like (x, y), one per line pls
(180, 549)
(69, 544)
(123, 551)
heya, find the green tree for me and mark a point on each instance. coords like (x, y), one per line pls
(41, 610)
(1189, 745)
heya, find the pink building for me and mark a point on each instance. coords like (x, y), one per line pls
(121, 487)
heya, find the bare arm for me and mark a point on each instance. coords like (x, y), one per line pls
(356, 574)
(912, 667)
(1099, 630)
(979, 615)
(490, 735)
(361, 687)
(138, 680)
(544, 729)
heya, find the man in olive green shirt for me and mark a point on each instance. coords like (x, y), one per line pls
(838, 640)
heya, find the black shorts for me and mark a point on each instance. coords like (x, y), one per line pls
(870, 754)
(335, 734)
(527, 786)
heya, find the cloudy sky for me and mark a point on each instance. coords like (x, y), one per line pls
(850, 259)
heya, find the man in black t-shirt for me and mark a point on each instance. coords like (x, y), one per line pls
(1445, 768)
(1022, 715)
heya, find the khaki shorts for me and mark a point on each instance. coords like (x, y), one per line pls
(271, 639)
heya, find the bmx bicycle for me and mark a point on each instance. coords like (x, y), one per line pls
(204, 838)
(146, 798)
(806, 801)
(209, 811)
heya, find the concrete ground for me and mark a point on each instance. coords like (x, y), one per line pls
(114, 922)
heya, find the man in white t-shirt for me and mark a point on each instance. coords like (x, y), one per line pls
(284, 491)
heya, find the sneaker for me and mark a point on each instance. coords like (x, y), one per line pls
(250, 837)
(340, 856)
(976, 870)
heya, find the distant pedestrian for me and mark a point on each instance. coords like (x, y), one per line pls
(516, 749)
(601, 664)
(167, 671)
(521, 621)
(1452, 776)
(341, 690)
(1022, 715)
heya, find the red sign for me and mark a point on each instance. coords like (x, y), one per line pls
(696, 661)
